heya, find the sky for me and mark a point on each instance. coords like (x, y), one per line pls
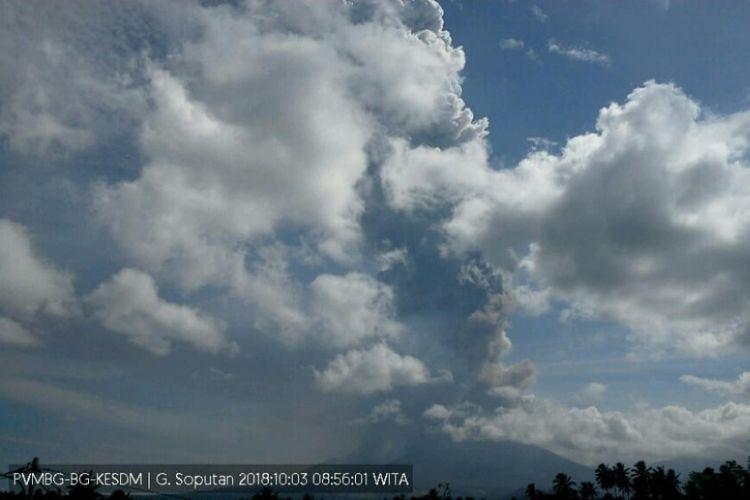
(260, 231)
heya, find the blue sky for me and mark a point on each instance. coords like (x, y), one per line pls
(274, 227)
(693, 44)
(697, 45)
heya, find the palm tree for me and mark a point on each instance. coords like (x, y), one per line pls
(621, 477)
(604, 478)
(587, 491)
(642, 481)
(671, 488)
(563, 485)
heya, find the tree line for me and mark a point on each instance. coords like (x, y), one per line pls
(642, 482)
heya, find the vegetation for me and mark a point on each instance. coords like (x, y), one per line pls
(641, 482)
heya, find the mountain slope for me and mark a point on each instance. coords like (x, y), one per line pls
(481, 469)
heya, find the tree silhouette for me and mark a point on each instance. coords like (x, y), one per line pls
(621, 478)
(604, 478)
(587, 491)
(563, 487)
(531, 492)
(670, 487)
(641, 480)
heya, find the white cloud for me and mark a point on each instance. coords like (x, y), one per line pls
(578, 53)
(591, 436)
(643, 222)
(129, 304)
(392, 258)
(511, 44)
(437, 412)
(28, 284)
(352, 308)
(427, 177)
(541, 143)
(539, 14)
(215, 182)
(263, 121)
(593, 391)
(735, 388)
(13, 333)
(372, 370)
(530, 301)
(515, 44)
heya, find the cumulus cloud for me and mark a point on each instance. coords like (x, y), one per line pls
(352, 308)
(262, 122)
(427, 177)
(28, 283)
(578, 53)
(129, 304)
(371, 370)
(235, 151)
(253, 126)
(217, 181)
(67, 74)
(731, 388)
(643, 222)
(13, 333)
(591, 436)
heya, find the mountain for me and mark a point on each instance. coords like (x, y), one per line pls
(483, 469)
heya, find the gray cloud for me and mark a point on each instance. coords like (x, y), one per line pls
(29, 285)
(385, 411)
(65, 76)
(730, 388)
(501, 376)
(13, 333)
(591, 436)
